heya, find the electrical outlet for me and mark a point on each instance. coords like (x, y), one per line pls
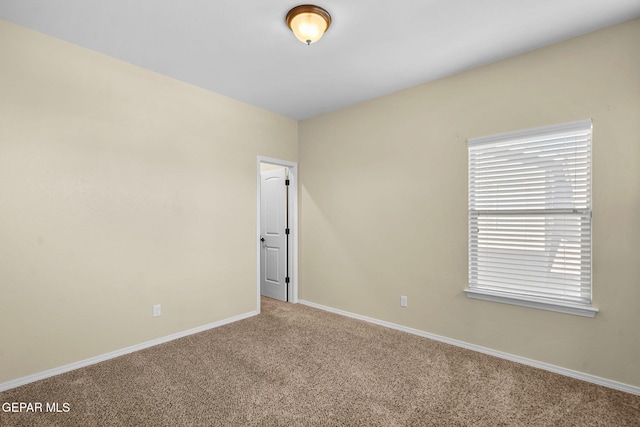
(403, 301)
(156, 310)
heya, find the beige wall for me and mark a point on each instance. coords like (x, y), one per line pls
(384, 202)
(119, 189)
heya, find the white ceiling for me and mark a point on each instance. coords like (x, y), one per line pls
(243, 48)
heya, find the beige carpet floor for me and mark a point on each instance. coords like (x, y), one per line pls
(297, 366)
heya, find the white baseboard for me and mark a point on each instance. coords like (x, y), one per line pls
(536, 364)
(101, 358)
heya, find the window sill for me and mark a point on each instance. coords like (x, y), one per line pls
(568, 308)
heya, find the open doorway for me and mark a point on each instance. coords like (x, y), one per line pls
(277, 230)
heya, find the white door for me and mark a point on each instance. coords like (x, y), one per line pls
(273, 234)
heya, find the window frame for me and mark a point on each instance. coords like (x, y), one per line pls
(546, 303)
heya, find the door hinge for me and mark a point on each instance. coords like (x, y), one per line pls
(287, 231)
(286, 182)
(286, 280)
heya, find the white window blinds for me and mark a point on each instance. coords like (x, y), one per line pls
(530, 214)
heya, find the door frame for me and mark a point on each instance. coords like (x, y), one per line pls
(293, 225)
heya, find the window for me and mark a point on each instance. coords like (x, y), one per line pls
(530, 218)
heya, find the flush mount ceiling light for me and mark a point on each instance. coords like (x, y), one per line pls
(308, 22)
